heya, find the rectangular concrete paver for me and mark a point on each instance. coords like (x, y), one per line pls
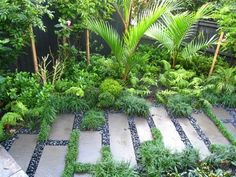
(230, 128)
(52, 162)
(210, 129)
(143, 129)
(20, 173)
(194, 137)
(221, 113)
(22, 149)
(62, 127)
(90, 144)
(162, 121)
(8, 165)
(120, 138)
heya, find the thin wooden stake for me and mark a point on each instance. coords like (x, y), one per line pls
(87, 36)
(216, 54)
(34, 52)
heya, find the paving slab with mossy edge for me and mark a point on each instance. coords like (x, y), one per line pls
(143, 129)
(62, 127)
(22, 149)
(221, 113)
(120, 138)
(194, 137)
(210, 129)
(90, 144)
(163, 122)
(52, 162)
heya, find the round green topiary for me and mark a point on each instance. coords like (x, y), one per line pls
(111, 86)
(106, 100)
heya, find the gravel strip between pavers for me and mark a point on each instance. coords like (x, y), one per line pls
(134, 136)
(34, 162)
(199, 131)
(105, 132)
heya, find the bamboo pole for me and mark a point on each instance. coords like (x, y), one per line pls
(87, 36)
(216, 54)
(34, 52)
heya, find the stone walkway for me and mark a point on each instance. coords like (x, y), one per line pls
(124, 136)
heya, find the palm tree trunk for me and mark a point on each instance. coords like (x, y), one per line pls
(87, 46)
(34, 52)
(126, 73)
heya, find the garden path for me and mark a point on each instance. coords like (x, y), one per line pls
(122, 133)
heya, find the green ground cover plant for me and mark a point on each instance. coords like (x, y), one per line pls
(93, 120)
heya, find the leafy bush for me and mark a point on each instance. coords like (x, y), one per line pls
(91, 96)
(176, 79)
(93, 120)
(111, 86)
(106, 100)
(133, 105)
(75, 91)
(179, 105)
(223, 80)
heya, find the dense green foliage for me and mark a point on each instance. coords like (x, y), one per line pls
(111, 86)
(159, 161)
(93, 120)
(15, 20)
(133, 105)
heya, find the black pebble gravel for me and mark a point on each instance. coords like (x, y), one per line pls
(199, 131)
(8, 143)
(77, 121)
(38, 151)
(180, 130)
(105, 132)
(134, 136)
(57, 142)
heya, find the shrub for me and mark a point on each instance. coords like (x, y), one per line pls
(179, 105)
(75, 91)
(93, 120)
(133, 105)
(106, 100)
(91, 96)
(111, 86)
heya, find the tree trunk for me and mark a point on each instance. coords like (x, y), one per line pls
(87, 46)
(34, 52)
(216, 54)
(126, 73)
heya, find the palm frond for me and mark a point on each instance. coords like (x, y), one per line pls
(135, 33)
(194, 46)
(107, 32)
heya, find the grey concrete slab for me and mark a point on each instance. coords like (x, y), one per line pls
(82, 175)
(210, 129)
(20, 173)
(162, 121)
(8, 165)
(221, 113)
(231, 128)
(52, 162)
(143, 129)
(194, 137)
(120, 138)
(22, 149)
(62, 127)
(90, 144)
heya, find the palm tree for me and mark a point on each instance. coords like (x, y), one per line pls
(174, 30)
(123, 48)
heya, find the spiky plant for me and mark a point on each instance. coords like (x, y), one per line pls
(173, 32)
(124, 47)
